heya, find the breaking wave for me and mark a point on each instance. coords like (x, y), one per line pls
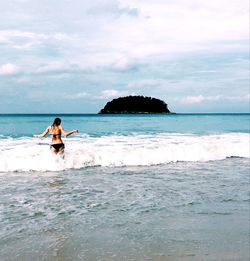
(28, 154)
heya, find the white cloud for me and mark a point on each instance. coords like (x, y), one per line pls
(167, 27)
(151, 29)
(247, 97)
(61, 37)
(238, 98)
(193, 99)
(124, 63)
(57, 66)
(51, 67)
(147, 83)
(76, 95)
(18, 39)
(112, 8)
(8, 69)
(107, 94)
(25, 40)
(7, 34)
(201, 98)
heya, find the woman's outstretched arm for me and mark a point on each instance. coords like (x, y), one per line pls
(43, 134)
(65, 133)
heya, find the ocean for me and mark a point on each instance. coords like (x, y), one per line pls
(129, 187)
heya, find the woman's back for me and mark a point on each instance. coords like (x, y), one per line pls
(56, 133)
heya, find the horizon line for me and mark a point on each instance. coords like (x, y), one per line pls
(93, 113)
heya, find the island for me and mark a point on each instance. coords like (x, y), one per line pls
(135, 104)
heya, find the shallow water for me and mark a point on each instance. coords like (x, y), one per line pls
(190, 211)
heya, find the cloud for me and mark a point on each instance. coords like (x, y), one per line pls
(9, 69)
(62, 96)
(247, 97)
(21, 39)
(193, 99)
(201, 98)
(57, 66)
(147, 83)
(26, 40)
(124, 63)
(161, 29)
(79, 95)
(238, 98)
(169, 27)
(5, 35)
(112, 8)
(111, 93)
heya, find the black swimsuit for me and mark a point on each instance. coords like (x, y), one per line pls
(54, 135)
(57, 146)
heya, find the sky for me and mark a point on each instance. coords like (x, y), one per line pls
(73, 56)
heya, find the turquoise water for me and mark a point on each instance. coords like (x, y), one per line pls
(93, 124)
(130, 187)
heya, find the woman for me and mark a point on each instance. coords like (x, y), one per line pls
(56, 130)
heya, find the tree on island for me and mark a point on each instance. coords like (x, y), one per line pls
(135, 104)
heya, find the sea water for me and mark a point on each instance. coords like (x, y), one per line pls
(129, 187)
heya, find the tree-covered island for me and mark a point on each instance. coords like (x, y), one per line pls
(135, 104)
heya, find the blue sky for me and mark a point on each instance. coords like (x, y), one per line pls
(72, 56)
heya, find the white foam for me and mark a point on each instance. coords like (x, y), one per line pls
(26, 154)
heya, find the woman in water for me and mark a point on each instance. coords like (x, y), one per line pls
(56, 130)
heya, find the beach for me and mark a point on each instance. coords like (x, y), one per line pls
(130, 187)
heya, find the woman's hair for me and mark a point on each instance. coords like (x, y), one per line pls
(57, 122)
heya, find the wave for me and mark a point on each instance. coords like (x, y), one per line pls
(28, 154)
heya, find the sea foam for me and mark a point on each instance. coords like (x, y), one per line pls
(28, 154)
